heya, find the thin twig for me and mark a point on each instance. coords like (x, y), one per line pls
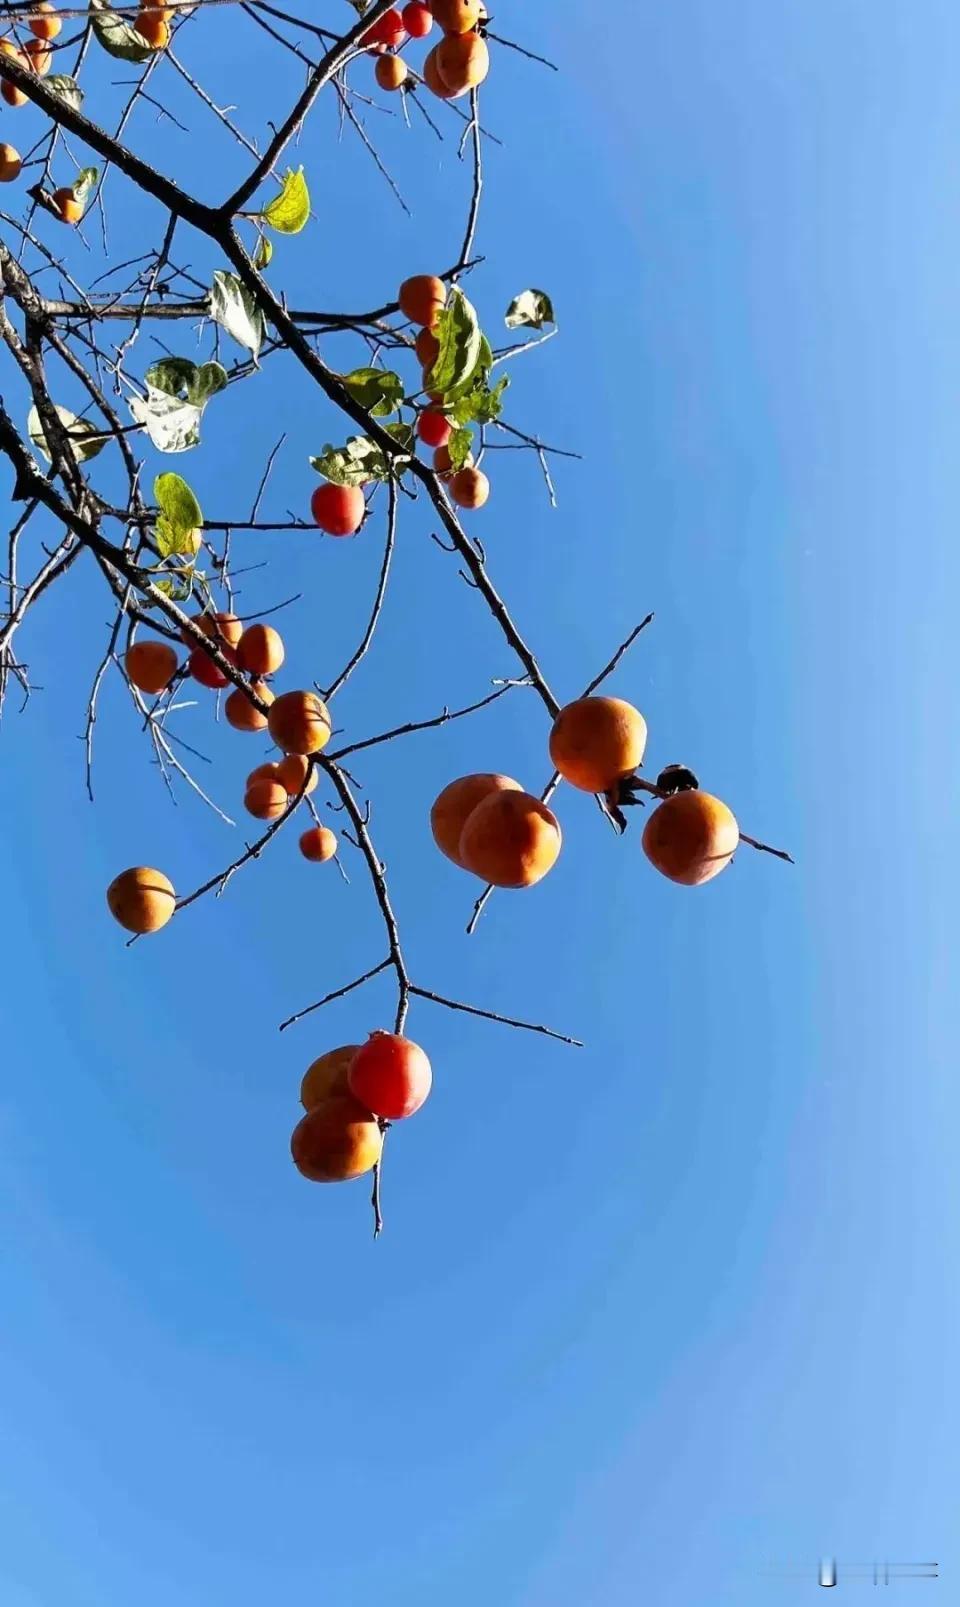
(493, 1015)
(378, 600)
(338, 993)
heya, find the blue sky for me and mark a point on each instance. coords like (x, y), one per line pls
(655, 1315)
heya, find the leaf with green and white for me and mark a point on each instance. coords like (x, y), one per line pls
(178, 390)
(530, 310)
(84, 437)
(172, 425)
(289, 211)
(357, 463)
(84, 183)
(460, 345)
(116, 36)
(376, 389)
(180, 515)
(234, 309)
(187, 380)
(67, 88)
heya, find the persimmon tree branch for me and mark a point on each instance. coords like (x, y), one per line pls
(54, 329)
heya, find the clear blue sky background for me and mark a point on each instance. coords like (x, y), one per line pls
(653, 1315)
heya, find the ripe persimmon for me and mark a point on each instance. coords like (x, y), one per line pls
(10, 164)
(391, 72)
(387, 33)
(417, 19)
(299, 723)
(318, 844)
(456, 16)
(336, 1140)
(152, 26)
(260, 650)
(431, 76)
(241, 713)
(290, 773)
(11, 94)
(457, 801)
(510, 839)
(434, 429)
(39, 55)
(263, 772)
(338, 509)
(462, 61)
(469, 487)
(151, 666)
(225, 629)
(265, 800)
(44, 23)
(691, 837)
(427, 348)
(422, 299)
(66, 204)
(596, 741)
(390, 1075)
(141, 899)
(203, 669)
(327, 1075)
(443, 466)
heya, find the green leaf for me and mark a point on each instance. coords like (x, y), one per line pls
(116, 36)
(403, 434)
(174, 543)
(459, 335)
(530, 310)
(84, 183)
(67, 88)
(233, 307)
(289, 211)
(379, 391)
(180, 377)
(479, 404)
(263, 255)
(85, 438)
(208, 380)
(357, 463)
(172, 374)
(459, 446)
(172, 425)
(180, 515)
(179, 588)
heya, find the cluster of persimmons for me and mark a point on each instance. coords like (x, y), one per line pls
(142, 899)
(487, 824)
(350, 1096)
(484, 823)
(36, 54)
(451, 68)
(339, 510)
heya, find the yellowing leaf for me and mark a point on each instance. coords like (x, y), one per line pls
(288, 212)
